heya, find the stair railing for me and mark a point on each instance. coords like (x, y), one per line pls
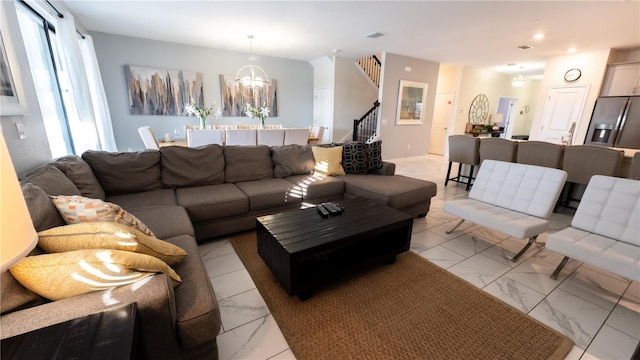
(372, 66)
(365, 128)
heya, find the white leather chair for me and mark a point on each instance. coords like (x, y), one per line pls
(148, 138)
(315, 134)
(604, 230)
(240, 137)
(204, 137)
(271, 137)
(515, 199)
(296, 136)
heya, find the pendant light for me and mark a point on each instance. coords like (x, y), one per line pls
(518, 81)
(251, 79)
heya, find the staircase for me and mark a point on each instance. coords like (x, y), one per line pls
(365, 129)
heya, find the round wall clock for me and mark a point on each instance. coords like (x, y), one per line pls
(479, 109)
(572, 75)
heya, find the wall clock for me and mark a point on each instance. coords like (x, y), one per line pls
(479, 109)
(572, 75)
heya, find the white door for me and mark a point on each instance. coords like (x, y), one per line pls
(322, 113)
(439, 127)
(563, 107)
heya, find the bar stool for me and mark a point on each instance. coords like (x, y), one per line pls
(498, 149)
(540, 153)
(463, 149)
(634, 170)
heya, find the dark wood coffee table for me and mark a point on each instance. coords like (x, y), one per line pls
(304, 250)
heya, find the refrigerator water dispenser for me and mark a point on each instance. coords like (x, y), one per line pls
(601, 133)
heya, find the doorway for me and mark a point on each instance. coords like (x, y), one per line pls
(322, 113)
(507, 107)
(440, 125)
(562, 112)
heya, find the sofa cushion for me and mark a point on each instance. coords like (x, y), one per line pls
(328, 160)
(354, 158)
(133, 201)
(77, 209)
(213, 201)
(317, 186)
(44, 214)
(197, 312)
(80, 173)
(107, 235)
(395, 191)
(14, 296)
(268, 193)
(126, 172)
(244, 163)
(291, 160)
(59, 276)
(186, 166)
(50, 179)
(166, 221)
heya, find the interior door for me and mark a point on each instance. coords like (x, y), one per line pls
(507, 107)
(322, 111)
(439, 128)
(563, 107)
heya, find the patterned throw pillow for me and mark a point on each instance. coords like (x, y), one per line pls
(374, 155)
(63, 275)
(107, 235)
(354, 158)
(328, 160)
(76, 209)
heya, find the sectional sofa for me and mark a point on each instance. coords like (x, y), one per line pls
(185, 196)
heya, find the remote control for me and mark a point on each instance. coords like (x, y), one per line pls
(322, 211)
(333, 209)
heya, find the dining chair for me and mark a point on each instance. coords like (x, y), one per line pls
(297, 136)
(315, 134)
(225, 126)
(246, 127)
(273, 126)
(204, 137)
(271, 137)
(240, 137)
(148, 138)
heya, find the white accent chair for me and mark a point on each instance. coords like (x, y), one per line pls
(315, 134)
(204, 137)
(515, 199)
(271, 137)
(240, 137)
(299, 136)
(148, 138)
(605, 230)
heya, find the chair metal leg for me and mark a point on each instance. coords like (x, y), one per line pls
(559, 268)
(525, 248)
(455, 227)
(448, 173)
(469, 178)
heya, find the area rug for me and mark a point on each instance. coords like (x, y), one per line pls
(411, 309)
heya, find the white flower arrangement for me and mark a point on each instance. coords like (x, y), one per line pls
(202, 112)
(261, 113)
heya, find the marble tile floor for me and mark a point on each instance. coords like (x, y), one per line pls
(598, 310)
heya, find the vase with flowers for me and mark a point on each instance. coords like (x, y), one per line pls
(201, 112)
(259, 113)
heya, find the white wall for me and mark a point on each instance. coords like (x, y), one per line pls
(593, 65)
(405, 140)
(294, 80)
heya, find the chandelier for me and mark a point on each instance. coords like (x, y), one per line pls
(251, 80)
(518, 81)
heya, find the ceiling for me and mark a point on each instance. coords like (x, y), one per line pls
(482, 34)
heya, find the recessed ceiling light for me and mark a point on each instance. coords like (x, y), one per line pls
(374, 35)
(525, 47)
(538, 36)
(572, 50)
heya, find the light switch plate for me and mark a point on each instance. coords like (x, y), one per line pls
(22, 133)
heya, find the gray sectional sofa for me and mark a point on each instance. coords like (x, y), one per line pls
(185, 196)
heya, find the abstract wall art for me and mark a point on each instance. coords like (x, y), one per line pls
(234, 104)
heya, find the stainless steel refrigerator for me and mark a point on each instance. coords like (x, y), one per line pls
(615, 122)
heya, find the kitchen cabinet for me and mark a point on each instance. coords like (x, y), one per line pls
(622, 80)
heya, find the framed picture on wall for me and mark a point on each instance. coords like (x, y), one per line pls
(12, 101)
(411, 98)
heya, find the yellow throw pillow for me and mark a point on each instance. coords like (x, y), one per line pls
(59, 276)
(76, 209)
(107, 235)
(328, 160)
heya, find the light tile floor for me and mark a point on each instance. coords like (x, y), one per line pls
(598, 310)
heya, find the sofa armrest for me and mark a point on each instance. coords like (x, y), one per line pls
(156, 305)
(388, 168)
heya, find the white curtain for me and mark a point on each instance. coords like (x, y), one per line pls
(90, 124)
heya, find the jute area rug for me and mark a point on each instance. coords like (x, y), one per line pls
(409, 310)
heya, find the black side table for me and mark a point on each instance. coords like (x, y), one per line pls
(110, 334)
